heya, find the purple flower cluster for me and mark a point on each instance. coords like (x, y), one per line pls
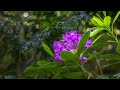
(69, 43)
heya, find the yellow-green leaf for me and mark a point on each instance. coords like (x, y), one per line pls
(94, 22)
(116, 17)
(96, 31)
(107, 21)
(96, 19)
(104, 12)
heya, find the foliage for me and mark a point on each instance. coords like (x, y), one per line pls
(27, 39)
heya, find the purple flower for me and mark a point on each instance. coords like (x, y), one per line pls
(58, 58)
(83, 60)
(72, 36)
(58, 46)
(88, 43)
(71, 39)
(94, 51)
(69, 43)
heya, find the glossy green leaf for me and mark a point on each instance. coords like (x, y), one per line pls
(111, 57)
(70, 67)
(94, 47)
(118, 48)
(82, 43)
(116, 17)
(95, 32)
(107, 21)
(65, 68)
(93, 28)
(72, 75)
(99, 22)
(47, 49)
(94, 22)
(68, 56)
(45, 64)
(97, 38)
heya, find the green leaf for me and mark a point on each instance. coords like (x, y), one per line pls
(116, 17)
(73, 75)
(98, 21)
(42, 62)
(45, 64)
(94, 22)
(94, 47)
(99, 17)
(47, 49)
(107, 21)
(68, 56)
(31, 68)
(70, 67)
(97, 38)
(94, 32)
(110, 41)
(64, 68)
(82, 43)
(93, 28)
(118, 48)
(111, 64)
(111, 57)
(104, 12)
(91, 56)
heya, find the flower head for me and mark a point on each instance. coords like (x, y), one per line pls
(71, 40)
(69, 43)
(71, 36)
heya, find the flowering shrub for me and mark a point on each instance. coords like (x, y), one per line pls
(71, 53)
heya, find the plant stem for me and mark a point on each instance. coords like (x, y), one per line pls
(81, 69)
(56, 75)
(84, 70)
(98, 64)
(112, 27)
(113, 36)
